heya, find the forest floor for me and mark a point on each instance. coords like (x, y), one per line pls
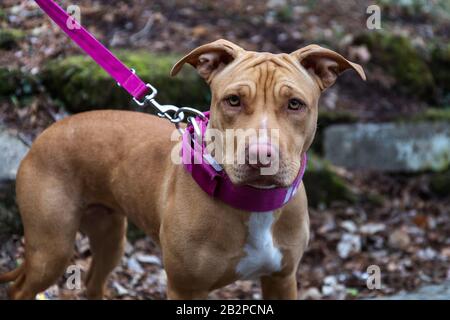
(405, 234)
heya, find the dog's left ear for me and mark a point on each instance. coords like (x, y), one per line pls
(209, 58)
(325, 65)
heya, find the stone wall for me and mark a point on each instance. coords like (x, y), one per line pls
(395, 147)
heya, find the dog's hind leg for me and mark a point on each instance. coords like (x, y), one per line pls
(50, 216)
(49, 208)
(107, 235)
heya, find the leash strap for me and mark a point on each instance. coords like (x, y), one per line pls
(86, 41)
(124, 76)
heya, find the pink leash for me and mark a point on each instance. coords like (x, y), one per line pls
(124, 76)
(86, 41)
(213, 181)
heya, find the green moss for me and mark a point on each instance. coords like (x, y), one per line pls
(433, 114)
(440, 67)
(375, 199)
(323, 186)
(15, 82)
(285, 14)
(10, 37)
(416, 8)
(82, 85)
(8, 81)
(440, 184)
(327, 118)
(396, 56)
(3, 15)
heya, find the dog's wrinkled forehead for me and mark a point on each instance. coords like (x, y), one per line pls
(254, 71)
(251, 60)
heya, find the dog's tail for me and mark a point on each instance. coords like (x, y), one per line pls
(12, 275)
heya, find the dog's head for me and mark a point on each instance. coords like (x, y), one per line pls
(271, 99)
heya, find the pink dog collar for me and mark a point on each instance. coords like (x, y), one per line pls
(215, 182)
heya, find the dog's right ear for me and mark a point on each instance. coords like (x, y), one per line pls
(324, 64)
(210, 58)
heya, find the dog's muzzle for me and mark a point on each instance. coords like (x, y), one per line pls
(212, 179)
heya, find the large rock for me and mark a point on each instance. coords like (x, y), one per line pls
(326, 119)
(12, 150)
(428, 292)
(404, 147)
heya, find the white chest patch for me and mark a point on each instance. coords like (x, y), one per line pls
(262, 257)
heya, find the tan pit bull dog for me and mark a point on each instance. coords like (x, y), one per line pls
(94, 170)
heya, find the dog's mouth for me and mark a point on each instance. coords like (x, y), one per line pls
(260, 178)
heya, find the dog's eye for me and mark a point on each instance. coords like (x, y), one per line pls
(295, 104)
(234, 100)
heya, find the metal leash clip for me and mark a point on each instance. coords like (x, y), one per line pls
(172, 113)
(191, 119)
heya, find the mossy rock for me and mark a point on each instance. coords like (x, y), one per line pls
(3, 15)
(81, 85)
(440, 184)
(440, 67)
(323, 186)
(416, 9)
(432, 114)
(17, 83)
(328, 118)
(9, 38)
(8, 81)
(285, 14)
(397, 57)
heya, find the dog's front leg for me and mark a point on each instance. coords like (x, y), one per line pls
(279, 287)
